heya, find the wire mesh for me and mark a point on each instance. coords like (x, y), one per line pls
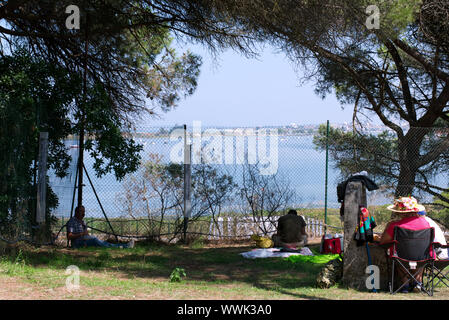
(296, 167)
(240, 175)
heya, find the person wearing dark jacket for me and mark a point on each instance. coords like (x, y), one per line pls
(291, 231)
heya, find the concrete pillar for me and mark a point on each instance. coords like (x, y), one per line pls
(41, 232)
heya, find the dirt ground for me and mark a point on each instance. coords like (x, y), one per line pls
(16, 288)
(208, 279)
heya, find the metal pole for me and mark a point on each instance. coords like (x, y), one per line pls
(74, 190)
(81, 163)
(187, 181)
(81, 140)
(101, 206)
(73, 197)
(326, 177)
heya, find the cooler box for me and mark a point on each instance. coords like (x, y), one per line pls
(332, 244)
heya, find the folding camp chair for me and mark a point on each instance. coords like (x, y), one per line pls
(415, 249)
(437, 273)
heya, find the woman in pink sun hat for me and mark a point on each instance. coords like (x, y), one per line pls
(408, 209)
(406, 205)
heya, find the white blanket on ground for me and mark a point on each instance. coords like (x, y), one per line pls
(274, 253)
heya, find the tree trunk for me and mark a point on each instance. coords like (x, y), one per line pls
(408, 147)
(406, 181)
(354, 262)
(355, 258)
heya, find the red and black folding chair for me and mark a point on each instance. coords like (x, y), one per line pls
(411, 250)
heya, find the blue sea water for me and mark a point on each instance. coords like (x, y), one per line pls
(299, 164)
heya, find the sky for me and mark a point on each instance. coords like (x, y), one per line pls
(237, 91)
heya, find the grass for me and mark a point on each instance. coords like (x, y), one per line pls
(144, 273)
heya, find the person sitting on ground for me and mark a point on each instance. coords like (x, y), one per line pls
(291, 231)
(408, 209)
(79, 236)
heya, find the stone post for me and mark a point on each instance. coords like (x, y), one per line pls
(355, 259)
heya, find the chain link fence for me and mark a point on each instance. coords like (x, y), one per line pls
(242, 180)
(238, 175)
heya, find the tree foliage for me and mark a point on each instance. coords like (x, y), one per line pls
(124, 44)
(352, 153)
(37, 96)
(156, 192)
(103, 73)
(398, 73)
(34, 96)
(264, 196)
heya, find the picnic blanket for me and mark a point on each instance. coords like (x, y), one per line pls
(274, 253)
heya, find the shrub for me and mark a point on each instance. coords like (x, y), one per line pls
(177, 274)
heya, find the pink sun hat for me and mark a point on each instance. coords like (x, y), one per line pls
(406, 204)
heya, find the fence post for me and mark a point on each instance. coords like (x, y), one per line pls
(41, 234)
(221, 227)
(242, 226)
(313, 227)
(211, 229)
(326, 178)
(187, 181)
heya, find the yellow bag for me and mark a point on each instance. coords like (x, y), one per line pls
(262, 242)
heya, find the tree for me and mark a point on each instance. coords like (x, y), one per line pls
(398, 73)
(378, 153)
(34, 96)
(442, 214)
(120, 59)
(37, 96)
(156, 192)
(264, 196)
(121, 55)
(124, 45)
(211, 190)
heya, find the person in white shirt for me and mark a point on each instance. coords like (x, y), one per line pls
(442, 254)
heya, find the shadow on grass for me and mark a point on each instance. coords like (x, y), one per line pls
(216, 266)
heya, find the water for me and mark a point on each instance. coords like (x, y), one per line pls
(299, 164)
